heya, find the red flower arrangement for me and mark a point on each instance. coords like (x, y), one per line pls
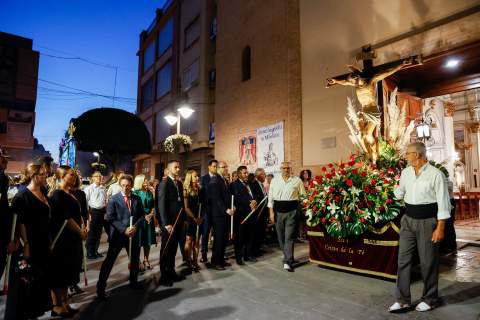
(351, 197)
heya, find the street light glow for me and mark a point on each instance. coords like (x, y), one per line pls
(171, 119)
(185, 111)
(96, 154)
(452, 63)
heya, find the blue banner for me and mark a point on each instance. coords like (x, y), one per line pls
(67, 153)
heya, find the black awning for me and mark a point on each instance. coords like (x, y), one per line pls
(111, 130)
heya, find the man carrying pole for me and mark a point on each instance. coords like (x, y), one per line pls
(261, 216)
(219, 198)
(120, 208)
(171, 216)
(244, 202)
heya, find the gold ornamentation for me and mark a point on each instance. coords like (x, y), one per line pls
(449, 109)
(384, 228)
(71, 129)
(315, 233)
(384, 243)
(373, 273)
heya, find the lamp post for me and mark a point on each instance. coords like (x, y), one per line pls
(184, 111)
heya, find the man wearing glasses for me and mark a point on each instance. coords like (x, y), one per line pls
(424, 190)
(283, 198)
(97, 201)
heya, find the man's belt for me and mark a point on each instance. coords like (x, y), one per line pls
(285, 205)
(421, 211)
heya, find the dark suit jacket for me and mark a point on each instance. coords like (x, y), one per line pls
(118, 214)
(258, 195)
(257, 191)
(204, 182)
(169, 203)
(242, 199)
(218, 195)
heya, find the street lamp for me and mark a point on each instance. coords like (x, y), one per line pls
(184, 111)
(96, 154)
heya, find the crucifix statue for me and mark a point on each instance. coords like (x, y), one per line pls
(365, 83)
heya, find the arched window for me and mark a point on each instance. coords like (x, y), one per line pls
(246, 64)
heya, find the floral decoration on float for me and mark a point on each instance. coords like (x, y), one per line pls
(173, 142)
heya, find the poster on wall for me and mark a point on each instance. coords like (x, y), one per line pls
(247, 150)
(270, 147)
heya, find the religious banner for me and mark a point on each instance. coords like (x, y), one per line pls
(374, 253)
(247, 150)
(67, 156)
(270, 147)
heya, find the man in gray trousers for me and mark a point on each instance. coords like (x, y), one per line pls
(424, 190)
(283, 198)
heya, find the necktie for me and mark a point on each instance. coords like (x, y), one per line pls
(127, 202)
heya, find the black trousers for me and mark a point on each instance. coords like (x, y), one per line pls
(244, 237)
(220, 234)
(96, 226)
(260, 230)
(169, 251)
(114, 247)
(205, 230)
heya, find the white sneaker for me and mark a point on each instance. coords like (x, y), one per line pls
(398, 307)
(422, 307)
(287, 267)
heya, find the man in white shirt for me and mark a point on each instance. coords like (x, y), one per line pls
(283, 198)
(97, 201)
(425, 192)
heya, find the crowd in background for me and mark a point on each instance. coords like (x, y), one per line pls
(61, 218)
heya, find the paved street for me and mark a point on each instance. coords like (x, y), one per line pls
(264, 291)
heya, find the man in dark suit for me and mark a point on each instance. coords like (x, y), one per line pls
(260, 218)
(206, 225)
(171, 216)
(120, 208)
(219, 199)
(244, 203)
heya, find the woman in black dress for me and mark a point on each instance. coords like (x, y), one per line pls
(67, 252)
(82, 198)
(191, 201)
(33, 210)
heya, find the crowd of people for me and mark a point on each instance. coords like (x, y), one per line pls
(57, 224)
(52, 224)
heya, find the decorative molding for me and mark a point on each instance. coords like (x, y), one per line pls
(449, 109)
(474, 127)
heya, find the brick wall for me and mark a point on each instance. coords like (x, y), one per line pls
(273, 94)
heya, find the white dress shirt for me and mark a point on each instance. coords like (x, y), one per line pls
(283, 190)
(428, 187)
(113, 190)
(96, 196)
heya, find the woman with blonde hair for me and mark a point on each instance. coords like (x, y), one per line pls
(146, 232)
(67, 252)
(191, 200)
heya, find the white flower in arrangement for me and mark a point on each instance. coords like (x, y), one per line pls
(176, 139)
(355, 191)
(309, 214)
(315, 182)
(332, 207)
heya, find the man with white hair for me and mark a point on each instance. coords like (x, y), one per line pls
(283, 198)
(427, 204)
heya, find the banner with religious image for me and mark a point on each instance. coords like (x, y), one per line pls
(270, 147)
(247, 150)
